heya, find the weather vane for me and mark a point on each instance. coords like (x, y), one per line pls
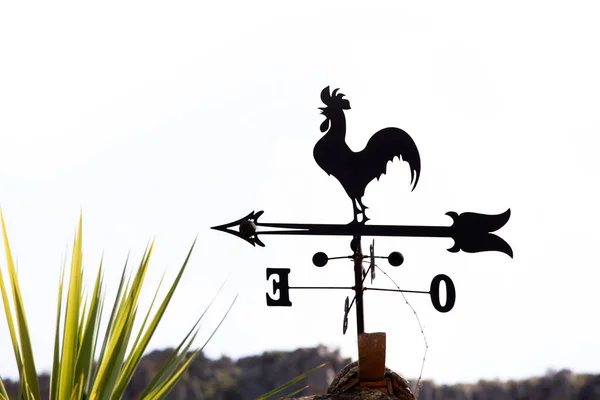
(471, 232)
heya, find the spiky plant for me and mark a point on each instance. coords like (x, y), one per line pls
(79, 370)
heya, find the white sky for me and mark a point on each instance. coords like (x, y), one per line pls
(163, 119)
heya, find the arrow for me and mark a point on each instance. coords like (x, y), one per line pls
(471, 231)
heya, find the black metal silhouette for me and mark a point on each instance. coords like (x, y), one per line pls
(355, 170)
(471, 231)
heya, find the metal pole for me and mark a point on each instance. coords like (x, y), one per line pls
(358, 286)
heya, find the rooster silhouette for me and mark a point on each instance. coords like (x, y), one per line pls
(355, 170)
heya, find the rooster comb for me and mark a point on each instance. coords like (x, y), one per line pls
(331, 99)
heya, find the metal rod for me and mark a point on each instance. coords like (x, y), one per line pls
(358, 283)
(322, 287)
(361, 230)
(396, 290)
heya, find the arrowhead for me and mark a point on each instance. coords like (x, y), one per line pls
(246, 228)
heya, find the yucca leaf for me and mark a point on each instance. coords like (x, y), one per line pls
(76, 393)
(220, 322)
(161, 391)
(289, 383)
(8, 313)
(112, 317)
(3, 394)
(178, 355)
(145, 321)
(87, 346)
(96, 330)
(122, 351)
(122, 325)
(137, 352)
(27, 351)
(28, 393)
(136, 285)
(82, 313)
(75, 375)
(164, 389)
(79, 389)
(111, 363)
(11, 325)
(114, 339)
(71, 328)
(22, 390)
(120, 335)
(80, 327)
(119, 307)
(28, 371)
(172, 362)
(295, 392)
(56, 358)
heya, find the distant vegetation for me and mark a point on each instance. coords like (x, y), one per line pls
(250, 377)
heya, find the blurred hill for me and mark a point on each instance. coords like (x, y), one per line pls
(250, 377)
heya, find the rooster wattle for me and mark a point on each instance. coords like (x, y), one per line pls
(355, 170)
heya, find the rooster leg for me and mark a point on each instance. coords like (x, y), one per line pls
(363, 211)
(356, 210)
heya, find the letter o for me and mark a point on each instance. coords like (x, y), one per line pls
(434, 292)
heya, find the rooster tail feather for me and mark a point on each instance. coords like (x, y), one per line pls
(415, 173)
(387, 144)
(410, 154)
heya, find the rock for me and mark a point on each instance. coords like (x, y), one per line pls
(346, 386)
